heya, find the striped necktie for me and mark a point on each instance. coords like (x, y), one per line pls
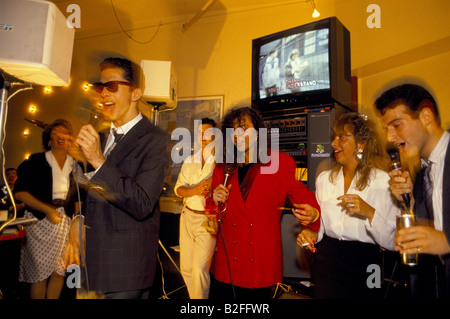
(428, 191)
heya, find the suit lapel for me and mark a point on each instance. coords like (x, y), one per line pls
(240, 199)
(249, 178)
(129, 142)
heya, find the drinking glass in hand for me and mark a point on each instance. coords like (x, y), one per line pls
(406, 220)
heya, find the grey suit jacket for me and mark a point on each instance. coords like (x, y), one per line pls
(423, 276)
(122, 211)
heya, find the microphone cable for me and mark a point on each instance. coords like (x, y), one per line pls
(5, 85)
(80, 215)
(219, 209)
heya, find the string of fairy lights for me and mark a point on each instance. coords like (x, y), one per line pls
(33, 109)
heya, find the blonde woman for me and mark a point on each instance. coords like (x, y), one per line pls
(358, 212)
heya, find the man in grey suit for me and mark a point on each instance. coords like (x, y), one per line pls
(410, 116)
(122, 204)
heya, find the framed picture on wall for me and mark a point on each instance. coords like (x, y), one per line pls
(187, 111)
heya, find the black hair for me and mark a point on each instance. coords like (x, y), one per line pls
(207, 120)
(411, 95)
(130, 70)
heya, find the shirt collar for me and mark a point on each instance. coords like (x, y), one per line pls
(438, 153)
(127, 126)
(211, 158)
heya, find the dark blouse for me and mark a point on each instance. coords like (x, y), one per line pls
(34, 175)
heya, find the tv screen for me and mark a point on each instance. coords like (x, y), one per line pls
(297, 66)
(294, 63)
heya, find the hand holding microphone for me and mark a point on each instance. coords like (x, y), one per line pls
(400, 183)
(222, 191)
(89, 142)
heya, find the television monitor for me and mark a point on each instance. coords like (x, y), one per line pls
(302, 66)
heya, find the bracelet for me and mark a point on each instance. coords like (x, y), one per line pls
(317, 215)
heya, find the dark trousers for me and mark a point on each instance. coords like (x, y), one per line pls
(339, 269)
(224, 291)
(132, 294)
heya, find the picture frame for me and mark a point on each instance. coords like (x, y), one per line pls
(187, 111)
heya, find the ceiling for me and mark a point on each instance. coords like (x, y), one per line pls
(102, 16)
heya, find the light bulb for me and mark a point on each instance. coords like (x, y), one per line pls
(32, 108)
(315, 13)
(86, 86)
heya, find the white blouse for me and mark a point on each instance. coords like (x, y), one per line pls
(336, 223)
(61, 177)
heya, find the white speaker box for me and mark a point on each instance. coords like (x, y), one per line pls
(159, 83)
(35, 42)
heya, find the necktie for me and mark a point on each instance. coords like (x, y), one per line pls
(428, 191)
(117, 138)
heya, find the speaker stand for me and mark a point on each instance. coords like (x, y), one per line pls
(166, 295)
(156, 111)
(5, 86)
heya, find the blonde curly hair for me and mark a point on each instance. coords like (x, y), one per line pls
(374, 155)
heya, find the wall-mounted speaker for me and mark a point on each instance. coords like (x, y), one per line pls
(35, 42)
(159, 83)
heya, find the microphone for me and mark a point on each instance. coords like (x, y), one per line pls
(38, 123)
(95, 119)
(228, 171)
(397, 166)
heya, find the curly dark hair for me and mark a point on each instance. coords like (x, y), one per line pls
(48, 130)
(228, 121)
(364, 131)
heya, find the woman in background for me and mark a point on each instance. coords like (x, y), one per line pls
(357, 212)
(43, 182)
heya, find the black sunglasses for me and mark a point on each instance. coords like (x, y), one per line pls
(111, 86)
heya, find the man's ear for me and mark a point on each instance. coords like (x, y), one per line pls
(136, 94)
(426, 115)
